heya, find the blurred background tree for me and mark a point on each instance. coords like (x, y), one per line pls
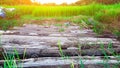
(14, 2)
(64, 4)
(108, 1)
(85, 2)
(50, 4)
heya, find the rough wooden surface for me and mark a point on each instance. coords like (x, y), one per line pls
(52, 52)
(53, 41)
(46, 41)
(66, 63)
(76, 62)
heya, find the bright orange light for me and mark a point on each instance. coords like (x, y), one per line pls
(55, 1)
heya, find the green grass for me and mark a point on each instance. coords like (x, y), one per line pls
(61, 29)
(60, 49)
(7, 24)
(11, 60)
(106, 57)
(55, 11)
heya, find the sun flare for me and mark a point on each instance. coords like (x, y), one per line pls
(55, 1)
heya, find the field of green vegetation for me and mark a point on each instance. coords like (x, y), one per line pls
(55, 11)
(101, 17)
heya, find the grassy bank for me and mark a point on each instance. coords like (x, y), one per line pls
(55, 11)
(102, 17)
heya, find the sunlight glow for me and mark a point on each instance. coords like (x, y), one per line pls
(55, 1)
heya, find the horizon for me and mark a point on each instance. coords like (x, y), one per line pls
(55, 1)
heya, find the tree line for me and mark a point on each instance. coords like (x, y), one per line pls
(79, 2)
(15, 2)
(85, 2)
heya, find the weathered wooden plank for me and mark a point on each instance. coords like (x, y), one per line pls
(38, 52)
(77, 62)
(53, 41)
(66, 63)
